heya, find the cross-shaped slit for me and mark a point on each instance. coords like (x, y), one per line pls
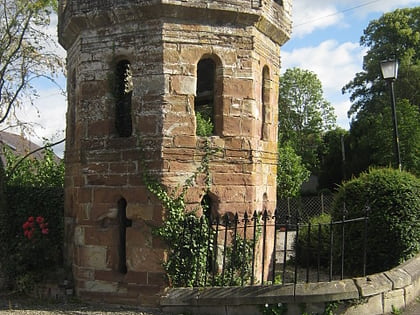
(123, 224)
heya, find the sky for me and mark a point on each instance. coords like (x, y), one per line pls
(325, 40)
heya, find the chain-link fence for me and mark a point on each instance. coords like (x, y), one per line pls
(305, 207)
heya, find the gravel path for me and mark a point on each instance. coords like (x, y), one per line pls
(31, 306)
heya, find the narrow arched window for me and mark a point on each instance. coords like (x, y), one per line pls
(123, 94)
(204, 99)
(265, 101)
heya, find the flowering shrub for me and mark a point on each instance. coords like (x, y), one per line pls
(35, 250)
(29, 227)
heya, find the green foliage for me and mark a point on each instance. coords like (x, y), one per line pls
(48, 172)
(314, 240)
(23, 258)
(371, 136)
(396, 311)
(185, 234)
(291, 172)
(304, 114)
(192, 254)
(394, 231)
(394, 35)
(274, 309)
(205, 125)
(331, 152)
(330, 308)
(34, 189)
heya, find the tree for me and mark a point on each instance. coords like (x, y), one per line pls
(372, 143)
(25, 51)
(25, 55)
(394, 35)
(333, 155)
(304, 114)
(291, 172)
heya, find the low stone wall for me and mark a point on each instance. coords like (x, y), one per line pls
(374, 294)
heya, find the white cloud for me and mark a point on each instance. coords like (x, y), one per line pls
(47, 117)
(309, 15)
(334, 63)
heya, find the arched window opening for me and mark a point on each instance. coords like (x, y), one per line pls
(265, 101)
(204, 99)
(123, 94)
(123, 224)
(280, 2)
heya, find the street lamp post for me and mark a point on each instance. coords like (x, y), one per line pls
(389, 70)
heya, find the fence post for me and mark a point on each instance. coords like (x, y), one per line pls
(342, 241)
(274, 260)
(297, 248)
(215, 250)
(198, 253)
(246, 220)
(255, 218)
(265, 217)
(235, 246)
(226, 223)
(285, 247)
(308, 251)
(331, 250)
(367, 209)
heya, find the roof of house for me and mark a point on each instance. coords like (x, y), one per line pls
(19, 145)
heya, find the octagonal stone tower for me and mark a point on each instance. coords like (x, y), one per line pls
(141, 74)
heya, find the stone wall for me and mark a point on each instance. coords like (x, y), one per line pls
(374, 294)
(109, 213)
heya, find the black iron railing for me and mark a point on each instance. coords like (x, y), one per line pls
(264, 248)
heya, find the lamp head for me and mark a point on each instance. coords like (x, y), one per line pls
(389, 69)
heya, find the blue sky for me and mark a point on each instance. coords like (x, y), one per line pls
(325, 40)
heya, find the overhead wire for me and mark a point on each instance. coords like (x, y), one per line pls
(337, 13)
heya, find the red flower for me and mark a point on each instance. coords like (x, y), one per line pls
(29, 226)
(30, 234)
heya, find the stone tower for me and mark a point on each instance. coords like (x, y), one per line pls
(141, 74)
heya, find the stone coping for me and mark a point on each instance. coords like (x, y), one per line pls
(374, 294)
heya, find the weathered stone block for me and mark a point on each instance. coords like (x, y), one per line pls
(183, 84)
(393, 299)
(374, 284)
(93, 257)
(399, 278)
(373, 306)
(327, 291)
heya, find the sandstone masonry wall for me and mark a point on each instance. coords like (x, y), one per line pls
(162, 42)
